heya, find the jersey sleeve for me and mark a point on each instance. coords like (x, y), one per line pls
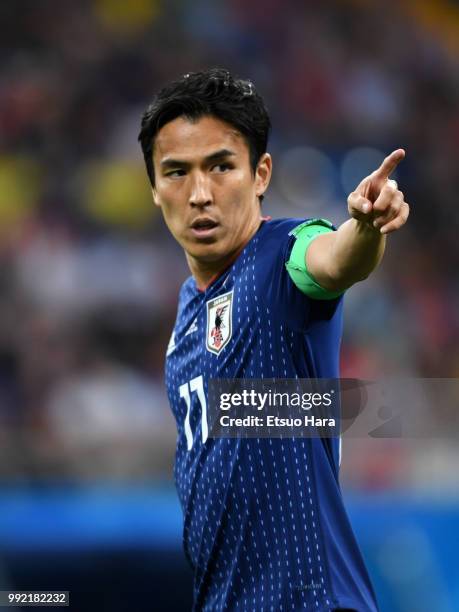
(292, 307)
(304, 235)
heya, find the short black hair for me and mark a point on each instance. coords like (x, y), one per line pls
(212, 92)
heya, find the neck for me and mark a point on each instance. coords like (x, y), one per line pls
(206, 272)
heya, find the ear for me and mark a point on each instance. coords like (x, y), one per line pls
(263, 174)
(155, 196)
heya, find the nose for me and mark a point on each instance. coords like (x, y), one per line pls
(200, 193)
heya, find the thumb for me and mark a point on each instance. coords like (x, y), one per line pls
(358, 206)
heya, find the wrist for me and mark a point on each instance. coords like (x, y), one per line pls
(366, 228)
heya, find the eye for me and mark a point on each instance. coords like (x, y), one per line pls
(223, 167)
(175, 173)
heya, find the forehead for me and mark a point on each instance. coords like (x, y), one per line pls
(185, 139)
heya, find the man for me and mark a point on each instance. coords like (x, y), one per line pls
(264, 522)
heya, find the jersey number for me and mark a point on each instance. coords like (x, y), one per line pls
(196, 384)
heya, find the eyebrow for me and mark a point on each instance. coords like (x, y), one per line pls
(212, 158)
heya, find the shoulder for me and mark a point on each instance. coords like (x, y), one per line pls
(187, 292)
(188, 287)
(276, 235)
(282, 226)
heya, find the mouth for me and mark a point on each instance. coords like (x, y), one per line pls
(204, 227)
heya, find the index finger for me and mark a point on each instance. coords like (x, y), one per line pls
(390, 163)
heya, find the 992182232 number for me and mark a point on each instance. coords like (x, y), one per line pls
(34, 598)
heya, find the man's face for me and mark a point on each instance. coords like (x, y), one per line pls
(206, 189)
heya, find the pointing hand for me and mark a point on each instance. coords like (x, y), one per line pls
(377, 200)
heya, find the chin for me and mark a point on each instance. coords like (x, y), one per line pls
(207, 252)
(208, 255)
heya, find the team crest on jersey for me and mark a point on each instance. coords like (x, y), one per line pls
(219, 322)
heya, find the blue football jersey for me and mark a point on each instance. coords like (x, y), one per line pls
(264, 522)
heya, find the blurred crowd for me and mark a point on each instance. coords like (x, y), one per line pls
(89, 276)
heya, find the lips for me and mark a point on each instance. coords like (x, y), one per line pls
(204, 227)
(203, 223)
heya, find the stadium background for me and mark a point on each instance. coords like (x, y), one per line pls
(89, 276)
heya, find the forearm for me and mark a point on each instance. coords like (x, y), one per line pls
(356, 251)
(339, 259)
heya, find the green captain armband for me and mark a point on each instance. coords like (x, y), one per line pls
(296, 265)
